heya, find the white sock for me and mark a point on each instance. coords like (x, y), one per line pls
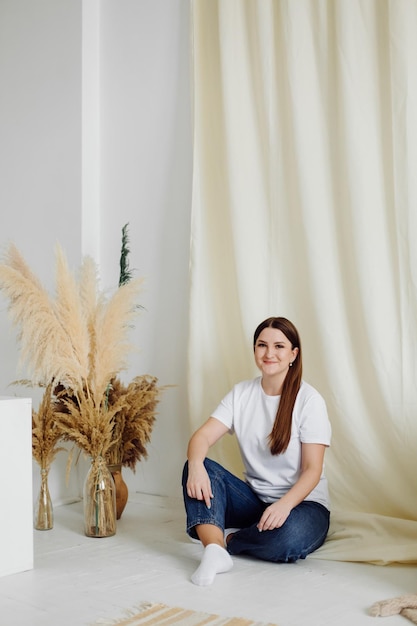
(216, 560)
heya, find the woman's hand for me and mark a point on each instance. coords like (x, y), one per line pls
(312, 455)
(198, 483)
(274, 516)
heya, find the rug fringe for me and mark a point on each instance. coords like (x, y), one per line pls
(127, 613)
(159, 613)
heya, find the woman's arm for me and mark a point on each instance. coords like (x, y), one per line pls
(198, 483)
(312, 456)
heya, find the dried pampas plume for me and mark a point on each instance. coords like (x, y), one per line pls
(46, 432)
(77, 341)
(134, 422)
(47, 349)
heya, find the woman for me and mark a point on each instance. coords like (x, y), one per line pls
(281, 511)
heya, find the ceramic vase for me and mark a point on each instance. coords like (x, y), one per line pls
(122, 491)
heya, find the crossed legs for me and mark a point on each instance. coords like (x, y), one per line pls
(235, 505)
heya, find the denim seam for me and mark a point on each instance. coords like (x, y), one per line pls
(203, 521)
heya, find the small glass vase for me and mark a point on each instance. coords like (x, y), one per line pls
(44, 514)
(99, 501)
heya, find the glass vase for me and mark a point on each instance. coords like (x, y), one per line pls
(44, 514)
(99, 501)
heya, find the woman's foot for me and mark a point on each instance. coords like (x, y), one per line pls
(215, 561)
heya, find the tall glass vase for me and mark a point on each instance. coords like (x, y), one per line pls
(44, 514)
(99, 501)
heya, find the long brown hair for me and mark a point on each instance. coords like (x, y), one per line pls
(280, 435)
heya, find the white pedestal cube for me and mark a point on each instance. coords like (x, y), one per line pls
(16, 499)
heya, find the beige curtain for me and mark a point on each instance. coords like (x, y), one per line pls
(305, 205)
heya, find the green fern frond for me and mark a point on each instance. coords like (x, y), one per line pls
(125, 273)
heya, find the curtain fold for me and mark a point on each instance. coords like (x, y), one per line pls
(305, 205)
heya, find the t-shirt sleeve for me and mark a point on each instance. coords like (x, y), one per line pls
(224, 411)
(314, 424)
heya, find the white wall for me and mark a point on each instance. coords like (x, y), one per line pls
(40, 153)
(145, 179)
(142, 175)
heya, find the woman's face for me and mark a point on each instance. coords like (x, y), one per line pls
(274, 353)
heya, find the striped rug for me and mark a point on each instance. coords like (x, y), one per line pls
(162, 615)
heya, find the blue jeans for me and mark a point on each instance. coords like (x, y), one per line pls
(235, 505)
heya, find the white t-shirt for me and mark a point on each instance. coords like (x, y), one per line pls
(250, 413)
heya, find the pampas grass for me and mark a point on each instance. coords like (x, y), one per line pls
(114, 320)
(46, 432)
(133, 423)
(81, 421)
(46, 347)
(80, 337)
(77, 342)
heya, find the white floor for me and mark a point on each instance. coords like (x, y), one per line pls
(78, 580)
